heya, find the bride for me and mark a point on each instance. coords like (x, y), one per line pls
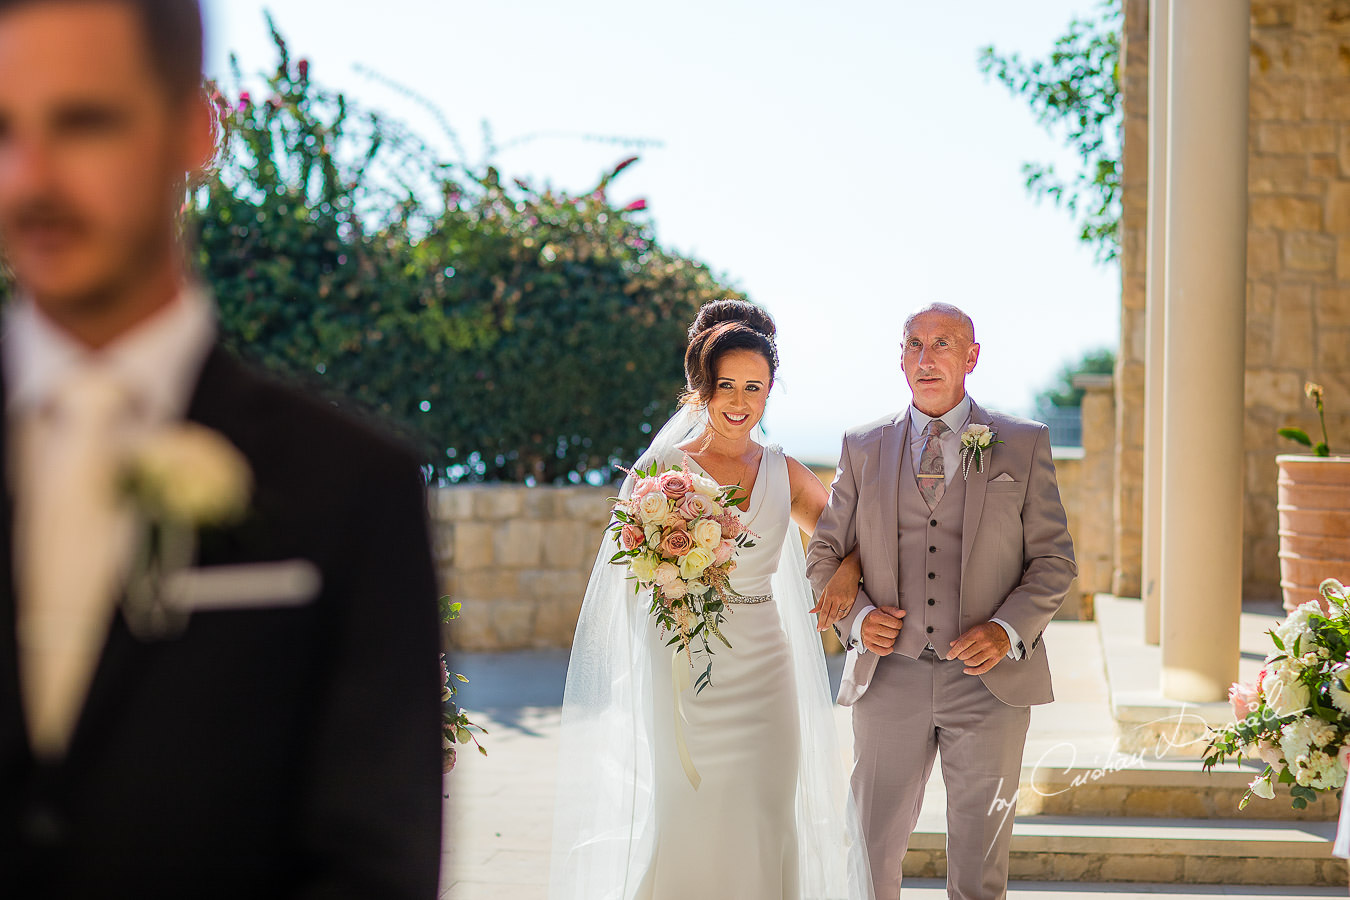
(734, 792)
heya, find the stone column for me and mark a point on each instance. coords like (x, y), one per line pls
(1206, 283)
(1155, 315)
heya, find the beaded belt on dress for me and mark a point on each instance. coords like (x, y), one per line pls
(760, 598)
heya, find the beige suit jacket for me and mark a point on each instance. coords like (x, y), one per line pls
(1016, 554)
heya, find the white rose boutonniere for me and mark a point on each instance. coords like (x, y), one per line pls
(976, 442)
(182, 479)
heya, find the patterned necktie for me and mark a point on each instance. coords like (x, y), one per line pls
(932, 476)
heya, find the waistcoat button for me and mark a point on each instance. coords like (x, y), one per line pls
(931, 601)
(932, 575)
(930, 629)
(933, 522)
(932, 549)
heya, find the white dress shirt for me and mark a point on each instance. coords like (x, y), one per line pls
(154, 369)
(956, 420)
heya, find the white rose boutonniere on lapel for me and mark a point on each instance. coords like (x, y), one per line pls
(184, 478)
(976, 443)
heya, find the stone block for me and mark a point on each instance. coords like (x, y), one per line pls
(1343, 258)
(1276, 174)
(587, 504)
(442, 543)
(541, 503)
(500, 501)
(1285, 213)
(552, 583)
(473, 548)
(1328, 99)
(513, 622)
(1332, 305)
(1292, 333)
(450, 504)
(1323, 167)
(1260, 301)
(1343, 152)
(1030, 866)
(1273, 13)
(518, 543)
(1338, 206)
(1333, 348)
(1304, 252)
(472, 631)
(1263, 253)
(569, 545)
(1333, 872)
(1277, 99)
(1141, 867)
(1069, 867)
(482, 587)
(1295, 139)
(1325, 16)
(556, 622)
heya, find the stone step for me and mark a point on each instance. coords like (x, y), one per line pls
(1131, 785)
(1171, 851)
(936, 889)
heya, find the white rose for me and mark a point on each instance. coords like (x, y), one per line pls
(707, 534)
(655, 508)
(694, 562)
(1262, 788)
(191, 474)
(706, 486)
(1295, 626)
(644, 567)
(1285, 694)
(977, 434)
(666, 573)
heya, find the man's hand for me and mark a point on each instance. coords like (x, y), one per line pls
(837, 599)
(981, 647)
(881, 628)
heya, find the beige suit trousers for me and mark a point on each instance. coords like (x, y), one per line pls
(914, 711)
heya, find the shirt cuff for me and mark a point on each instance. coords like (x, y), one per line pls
(1016, 649)
(855, 636)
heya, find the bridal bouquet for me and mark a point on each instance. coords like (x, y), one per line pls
(678, 535)
(1296, 717)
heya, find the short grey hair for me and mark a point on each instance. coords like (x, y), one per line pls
(948, 310)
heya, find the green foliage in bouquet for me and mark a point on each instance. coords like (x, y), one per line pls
(511, 332)
(1321, 448)
(455, 725)
(1296, 717)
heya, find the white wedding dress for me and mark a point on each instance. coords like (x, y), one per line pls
(772, 818)
(736, 835)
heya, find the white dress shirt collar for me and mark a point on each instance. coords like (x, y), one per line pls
(159, 360)
(955, 418)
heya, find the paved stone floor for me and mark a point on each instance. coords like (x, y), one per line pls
(499, 817)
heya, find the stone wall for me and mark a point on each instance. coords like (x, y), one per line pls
(518, 559)
(1298, 260)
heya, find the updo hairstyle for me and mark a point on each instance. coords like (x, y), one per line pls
(722, 326)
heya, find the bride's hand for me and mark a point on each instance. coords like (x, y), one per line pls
(837, 599)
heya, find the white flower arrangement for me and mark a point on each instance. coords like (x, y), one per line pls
(976, 442)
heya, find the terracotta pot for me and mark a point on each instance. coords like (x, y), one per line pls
(1314, 508)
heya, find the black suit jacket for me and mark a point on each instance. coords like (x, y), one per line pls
(284, 752)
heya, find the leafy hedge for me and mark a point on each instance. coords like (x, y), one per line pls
(514, 333)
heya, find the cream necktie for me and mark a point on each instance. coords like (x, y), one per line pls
(74, 544)
(932, 474)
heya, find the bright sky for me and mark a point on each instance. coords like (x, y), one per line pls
(843, 163)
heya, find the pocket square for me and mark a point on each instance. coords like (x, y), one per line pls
(291, 582)
(1005, 477)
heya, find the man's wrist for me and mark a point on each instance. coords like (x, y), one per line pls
(855, 641)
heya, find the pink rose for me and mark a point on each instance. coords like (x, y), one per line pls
(676, 484)
(1270, 753)
(644, 487)
(632, 537)
(676, 543)
(1343, 757)
(724, 552)
(1244, 698)
(695, 506)
(674, 590)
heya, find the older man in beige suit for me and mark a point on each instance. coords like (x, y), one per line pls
(965, 560)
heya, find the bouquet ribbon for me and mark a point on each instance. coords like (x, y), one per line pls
(679, 672)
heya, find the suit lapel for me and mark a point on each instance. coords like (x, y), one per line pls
(893, 441)
(125, 657)
(975, 485)
(13, 728)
